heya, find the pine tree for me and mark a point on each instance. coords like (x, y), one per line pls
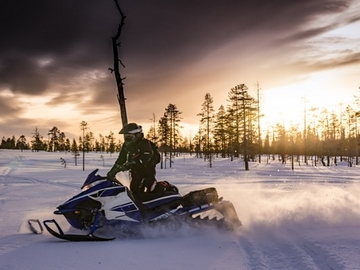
(221, 137)
(168, 130)
(242, 111)
(207, 122)
(21, 143)
(75, 151)
(54, 139)
(111, 142)
(37, 143)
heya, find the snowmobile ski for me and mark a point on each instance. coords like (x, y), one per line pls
(73, 237)
(35, 226)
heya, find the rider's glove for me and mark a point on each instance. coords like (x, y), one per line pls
(118, 168)
(126, 166)
(114, 170)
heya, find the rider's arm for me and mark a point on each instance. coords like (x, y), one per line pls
(117, 167)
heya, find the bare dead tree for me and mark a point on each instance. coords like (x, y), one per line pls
(117, 62)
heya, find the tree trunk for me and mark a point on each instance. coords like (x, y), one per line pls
(119, 81)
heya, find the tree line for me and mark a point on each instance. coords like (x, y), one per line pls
(232, 131)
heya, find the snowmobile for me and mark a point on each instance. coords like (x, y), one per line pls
(104, 203)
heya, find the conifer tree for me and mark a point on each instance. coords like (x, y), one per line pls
(206, 123)
(168, 131)
(221, 137)
(36, 142)
(21, 143)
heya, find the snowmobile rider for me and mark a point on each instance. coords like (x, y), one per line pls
(139, 156)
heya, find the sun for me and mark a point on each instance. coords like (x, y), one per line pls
(293, 104)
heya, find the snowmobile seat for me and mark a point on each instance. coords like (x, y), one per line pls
(166, 200)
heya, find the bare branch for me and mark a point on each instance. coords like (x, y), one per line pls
(121, 63)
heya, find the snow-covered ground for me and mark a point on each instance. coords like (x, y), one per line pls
(308, 218)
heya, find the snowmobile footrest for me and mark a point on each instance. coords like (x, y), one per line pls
(72, 237)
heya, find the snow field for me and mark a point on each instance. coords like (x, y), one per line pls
(308, 218)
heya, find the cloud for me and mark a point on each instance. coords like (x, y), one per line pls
(345, 60)
(165, 38)
(8, 106)
(174, 51)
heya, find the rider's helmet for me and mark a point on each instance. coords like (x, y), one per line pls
(132, 132)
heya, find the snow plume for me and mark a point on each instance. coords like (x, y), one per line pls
(302, 205)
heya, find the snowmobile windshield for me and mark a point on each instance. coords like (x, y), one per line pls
(92, 177)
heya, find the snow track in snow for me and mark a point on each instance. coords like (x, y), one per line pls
(4, 171)
(322, 259)
(276, 252)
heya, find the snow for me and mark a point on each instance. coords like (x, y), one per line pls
(308, 218)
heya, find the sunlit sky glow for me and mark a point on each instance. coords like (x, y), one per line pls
(54, 68)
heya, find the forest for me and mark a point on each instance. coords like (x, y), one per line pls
(232, 131)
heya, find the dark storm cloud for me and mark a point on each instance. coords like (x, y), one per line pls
(158, 35)
(52, 46)
(43, 27)
(196, 27)
(20, 73)
(68, 33)
(169, 37)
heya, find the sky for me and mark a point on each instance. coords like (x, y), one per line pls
(55, 59)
